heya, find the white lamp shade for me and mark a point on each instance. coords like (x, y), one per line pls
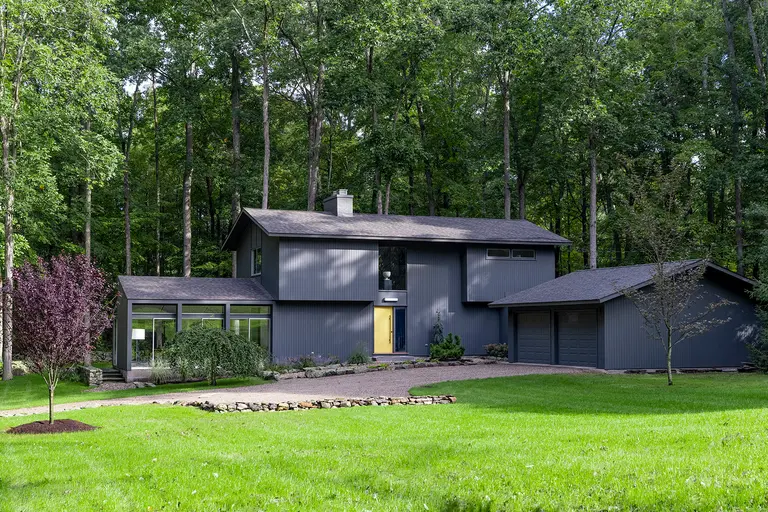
(138, 334)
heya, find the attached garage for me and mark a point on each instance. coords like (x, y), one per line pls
(577, 337)
(583, 319)
(533, 337)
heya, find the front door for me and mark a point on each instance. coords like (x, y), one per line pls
(388, 330)
(383, 334)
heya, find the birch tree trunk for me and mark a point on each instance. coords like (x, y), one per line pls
(187, 202)
(157, 176)
(236, 158)
(265, 123)
(6, 333)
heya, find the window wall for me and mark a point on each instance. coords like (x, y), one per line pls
(251, 322)
(152, 326)
(211, 316)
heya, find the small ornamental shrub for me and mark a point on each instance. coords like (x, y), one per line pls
(359, 355)
(437, 331)
(304, 362)
(162, 373)
(497, 350)
(213, 353)
(449, 350)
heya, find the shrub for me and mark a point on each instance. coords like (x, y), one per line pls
(162, 373)
(437, 331)
(304, 362)
(359, 355)
(213, 353)
(449, 349)
(497, 350)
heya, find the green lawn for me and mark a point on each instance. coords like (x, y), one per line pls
(554, 442)
(30, 390)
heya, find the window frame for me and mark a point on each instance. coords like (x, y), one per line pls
(256, 253)
(489, 257)
(510, 254)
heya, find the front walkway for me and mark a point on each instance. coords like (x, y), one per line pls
(364, 385)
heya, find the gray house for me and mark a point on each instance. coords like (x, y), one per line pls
(584, 319)
(326, 283)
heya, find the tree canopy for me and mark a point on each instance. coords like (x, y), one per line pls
(143, 127)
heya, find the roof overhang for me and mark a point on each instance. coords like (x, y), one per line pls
(244, 218)
(535, 305)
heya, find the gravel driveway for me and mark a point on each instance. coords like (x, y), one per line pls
(364, 385)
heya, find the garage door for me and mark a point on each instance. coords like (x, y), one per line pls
(533, 343)
(577, 337)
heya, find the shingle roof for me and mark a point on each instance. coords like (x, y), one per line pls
(401, 227)
(588, 286)
(193, 288)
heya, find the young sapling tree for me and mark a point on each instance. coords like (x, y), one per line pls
(61, 307)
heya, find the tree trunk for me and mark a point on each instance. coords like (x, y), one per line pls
(592, 201)
(315, 136)
(10, 198)
(735, 128)
(386, 201)
(126, 181)
(427, 167)
(157, 176)
(187, 202)
(757, 52)
(505, 106)
(88, 203)
(265, 124)
(669, 362)
(5, 124)
(583, 216)
(235, 104)
(211, 205)
(51, 391)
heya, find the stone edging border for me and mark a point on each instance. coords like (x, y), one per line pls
(330, 403)
(315, 372)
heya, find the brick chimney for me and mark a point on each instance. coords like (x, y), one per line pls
(339, 203)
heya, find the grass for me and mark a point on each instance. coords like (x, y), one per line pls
(549, 442)
(30, 390)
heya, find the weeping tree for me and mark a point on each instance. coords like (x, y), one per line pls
(212, 353)
(61, 307)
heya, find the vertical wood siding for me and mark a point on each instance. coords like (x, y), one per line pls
(336, 329)
(628, 345)
(487, 280)
(435, 284)
(338, 270)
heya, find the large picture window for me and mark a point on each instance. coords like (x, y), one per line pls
(208, 315)
(251, 322)
(393, 267)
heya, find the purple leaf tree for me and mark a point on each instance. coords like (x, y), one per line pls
(61, 307)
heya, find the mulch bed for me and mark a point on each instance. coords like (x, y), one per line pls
(58, 427)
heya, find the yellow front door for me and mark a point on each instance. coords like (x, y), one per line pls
(382, 330)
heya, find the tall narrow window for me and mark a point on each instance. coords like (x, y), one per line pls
(256, 262)
(393, 267)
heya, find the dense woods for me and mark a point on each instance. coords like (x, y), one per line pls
(135, 131)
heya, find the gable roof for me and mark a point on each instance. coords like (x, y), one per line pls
(222, 289)
(595, 286)
(360, 226)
